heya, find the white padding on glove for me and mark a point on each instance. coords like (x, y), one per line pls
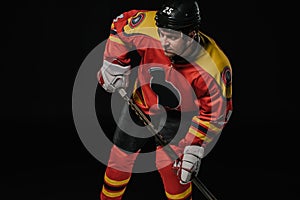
(114, 76)
(190, 163)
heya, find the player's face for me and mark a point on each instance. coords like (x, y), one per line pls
(172, 42)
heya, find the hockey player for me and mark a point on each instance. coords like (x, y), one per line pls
(183, 72)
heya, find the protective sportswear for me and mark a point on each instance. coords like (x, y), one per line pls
(112, 76)
(179, 15)
(189, 165)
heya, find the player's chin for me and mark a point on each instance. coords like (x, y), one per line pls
(169, 54)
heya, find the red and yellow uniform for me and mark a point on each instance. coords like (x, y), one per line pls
(201, 85)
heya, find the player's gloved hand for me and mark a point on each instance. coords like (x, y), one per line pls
(113, 76)
(189, 165)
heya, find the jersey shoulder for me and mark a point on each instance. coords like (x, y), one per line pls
(121, 20)
(216, 63)
(214, 52)
(136, 22)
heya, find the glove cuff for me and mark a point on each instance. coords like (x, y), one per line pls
(194, 150)
(115, 69)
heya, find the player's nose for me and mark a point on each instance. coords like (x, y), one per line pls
(164, 41)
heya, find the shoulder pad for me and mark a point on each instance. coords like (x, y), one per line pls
(142, 22)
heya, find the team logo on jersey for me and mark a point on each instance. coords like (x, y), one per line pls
(226, 76)
(136, 20)
(168, 95)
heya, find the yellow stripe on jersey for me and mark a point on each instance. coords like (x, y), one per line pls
(115, 182)
(112, 194)
(181, 195)
(138, 96)
(116, 40)
(199, 134)
(207, 124)
(146, 27)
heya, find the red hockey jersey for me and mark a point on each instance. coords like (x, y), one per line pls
(203, 84)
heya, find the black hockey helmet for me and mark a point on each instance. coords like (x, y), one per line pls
(180, 15)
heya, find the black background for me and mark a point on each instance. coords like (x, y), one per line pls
(44, 45)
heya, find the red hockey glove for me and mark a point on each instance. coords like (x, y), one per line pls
(189, 165)
(112, 76)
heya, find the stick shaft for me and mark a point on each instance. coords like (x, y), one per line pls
(171, 153)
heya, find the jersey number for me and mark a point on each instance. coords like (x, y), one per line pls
(168, 10)
(118, 17)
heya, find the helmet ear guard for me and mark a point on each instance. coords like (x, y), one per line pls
(180, 15)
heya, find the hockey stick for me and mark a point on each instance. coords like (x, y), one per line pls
(162, 142)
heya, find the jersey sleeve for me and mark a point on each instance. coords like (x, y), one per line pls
(213, 115)
(117, 46)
